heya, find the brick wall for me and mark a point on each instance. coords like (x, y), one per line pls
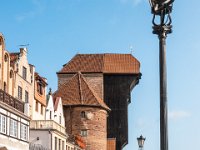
(63, 78)
(95, 123)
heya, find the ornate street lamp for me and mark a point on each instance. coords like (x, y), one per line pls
(162, 9)
(141, 140)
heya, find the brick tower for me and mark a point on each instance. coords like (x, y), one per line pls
(85, 113)
(111, 77)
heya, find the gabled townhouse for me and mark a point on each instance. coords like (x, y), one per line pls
(50, 132)
(39, 102)
(23, 77)
(14, 120)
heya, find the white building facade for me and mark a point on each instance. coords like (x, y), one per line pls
(50, 132)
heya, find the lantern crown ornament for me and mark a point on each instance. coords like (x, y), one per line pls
(158, 5)
(161, 9)
(141, 140)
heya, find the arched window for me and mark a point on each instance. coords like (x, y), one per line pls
(83, 115)
(5, 57)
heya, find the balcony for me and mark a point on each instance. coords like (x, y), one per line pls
(11, 101)
(46, 124)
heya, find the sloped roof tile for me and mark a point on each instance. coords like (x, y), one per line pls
(102, 63)
(78, 92)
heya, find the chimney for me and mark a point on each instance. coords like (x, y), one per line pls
(23, 51)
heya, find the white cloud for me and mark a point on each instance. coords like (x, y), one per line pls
(175, 115)
(140, 123)
(38, 7)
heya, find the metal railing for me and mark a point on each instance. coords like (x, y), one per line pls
(11, 101)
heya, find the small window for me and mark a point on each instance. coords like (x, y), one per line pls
(36, 106)
(11, 74)
(50, 115)
(20, 92)
(59, 144)
(4, 87)
(5, 57)
(60, 119)
(17, 66)
(55, 143)
(40, 88)
(42, 109)
(84, 133)
(13, 128)
(24, 73)
(26, 97)
(24, 132)
(2, 124)
(63, 145)
(83, 115)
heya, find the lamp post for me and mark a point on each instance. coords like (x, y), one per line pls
(141, 140)
(162, 9)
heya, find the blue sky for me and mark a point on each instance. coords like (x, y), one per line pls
(56, 30)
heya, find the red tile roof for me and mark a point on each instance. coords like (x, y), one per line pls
(38, 77)
(102, 63)
(78, 92)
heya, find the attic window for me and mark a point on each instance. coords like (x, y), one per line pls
(83, 115)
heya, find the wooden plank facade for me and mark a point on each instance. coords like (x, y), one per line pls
(117, 90)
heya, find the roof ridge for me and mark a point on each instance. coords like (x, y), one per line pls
(69, 61)
(80, 89)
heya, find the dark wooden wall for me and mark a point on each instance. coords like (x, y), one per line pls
(117, 89)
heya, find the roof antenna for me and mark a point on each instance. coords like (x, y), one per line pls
(131, 49)
(24, 45)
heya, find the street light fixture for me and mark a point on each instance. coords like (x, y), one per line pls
(162, 9)
(141, 140)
